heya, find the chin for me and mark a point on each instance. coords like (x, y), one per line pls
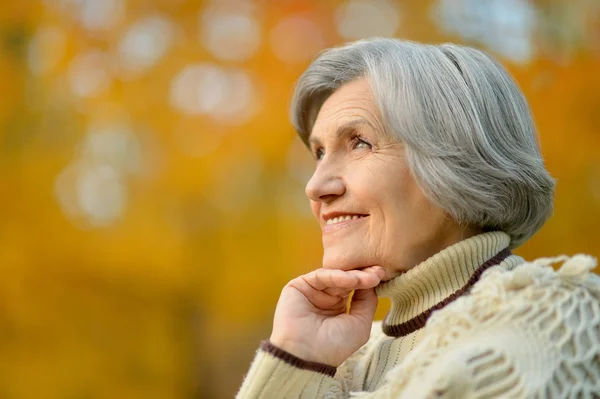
(343, 260)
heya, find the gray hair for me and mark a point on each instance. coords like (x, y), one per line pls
(470, 139)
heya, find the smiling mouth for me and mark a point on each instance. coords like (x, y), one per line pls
(343, 218)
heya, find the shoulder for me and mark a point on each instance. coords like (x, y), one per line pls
(533, 296)
(520, 331)
(531, 282)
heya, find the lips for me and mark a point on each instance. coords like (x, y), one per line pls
(342, 218)
(333, 220)
(330, 215)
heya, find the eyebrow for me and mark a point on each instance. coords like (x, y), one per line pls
(343, 129)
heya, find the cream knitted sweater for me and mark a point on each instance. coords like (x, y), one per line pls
(473, 321)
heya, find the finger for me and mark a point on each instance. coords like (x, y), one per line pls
(364, 304)
(378, 270)
(375, 270)
(339, 292)
(318, 298)
(366, 278)
(321, 279)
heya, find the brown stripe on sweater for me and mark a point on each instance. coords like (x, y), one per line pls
(292, 360)
(418, 322)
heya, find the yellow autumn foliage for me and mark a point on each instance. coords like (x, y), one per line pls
(151, 187)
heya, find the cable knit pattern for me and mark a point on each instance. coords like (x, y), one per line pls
(520, 332)
(532, 332)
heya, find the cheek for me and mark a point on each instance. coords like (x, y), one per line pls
(398, 206)
(410, 212)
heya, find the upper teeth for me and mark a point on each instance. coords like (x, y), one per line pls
(342, 218)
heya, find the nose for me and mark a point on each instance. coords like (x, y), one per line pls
(325, 185)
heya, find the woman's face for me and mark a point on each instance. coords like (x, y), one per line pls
(370, 209)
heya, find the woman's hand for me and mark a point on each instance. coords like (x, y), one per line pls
(311, 319)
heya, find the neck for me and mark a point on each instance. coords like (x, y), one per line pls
(440, 279)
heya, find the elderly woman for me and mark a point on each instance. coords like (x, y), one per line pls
(428, 173)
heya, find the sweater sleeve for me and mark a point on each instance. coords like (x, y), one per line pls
(278, 374)
(275, 373)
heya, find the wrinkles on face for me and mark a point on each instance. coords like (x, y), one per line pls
(344, 108)
(363, 170)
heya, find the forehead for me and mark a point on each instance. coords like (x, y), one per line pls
(353, 100)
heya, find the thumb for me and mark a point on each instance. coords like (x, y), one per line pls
(364, 304)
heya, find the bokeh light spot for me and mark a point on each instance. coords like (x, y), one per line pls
(115, 144)
(88, 74)
(46, 49)
(225, 94)
(504, 26)
(91, 194)
(144, 44)
(230, 33)
(97, 15)
(101, 194)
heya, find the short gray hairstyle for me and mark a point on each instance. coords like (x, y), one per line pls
(470, 139)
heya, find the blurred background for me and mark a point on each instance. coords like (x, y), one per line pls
(151, 191)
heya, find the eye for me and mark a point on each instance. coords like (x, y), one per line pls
(319, 153)
(358, 142)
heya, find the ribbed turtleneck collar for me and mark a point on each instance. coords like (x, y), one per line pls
(440, 279)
